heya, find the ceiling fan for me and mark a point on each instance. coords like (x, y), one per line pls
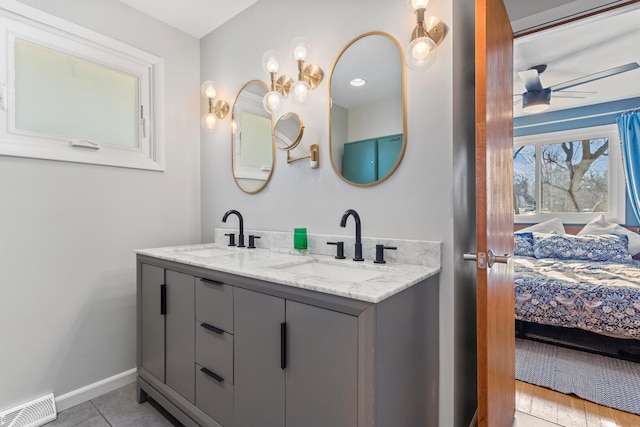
(538, 98)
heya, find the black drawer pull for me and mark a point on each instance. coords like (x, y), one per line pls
(212, 375)
(163, 299)
(212, 328)
(283, 345)
(211, 282)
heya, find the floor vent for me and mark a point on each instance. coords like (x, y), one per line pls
(32, 414)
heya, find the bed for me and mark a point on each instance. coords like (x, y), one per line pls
(568, 284)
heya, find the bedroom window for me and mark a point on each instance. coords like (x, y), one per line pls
(69, 94)
(574, 175)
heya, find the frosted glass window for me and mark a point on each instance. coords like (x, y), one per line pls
(71, 94)
(69, 97)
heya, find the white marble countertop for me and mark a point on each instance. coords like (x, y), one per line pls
(364, 281)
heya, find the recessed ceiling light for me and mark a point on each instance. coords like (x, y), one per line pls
(358, 82)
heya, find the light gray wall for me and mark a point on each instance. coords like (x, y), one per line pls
(414, 203)
(68, 231)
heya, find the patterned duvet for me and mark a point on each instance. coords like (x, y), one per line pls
(601, 297)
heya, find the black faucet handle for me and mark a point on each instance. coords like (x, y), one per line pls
(339, 249)
(380, 253)
(252, 241)
(232, 239)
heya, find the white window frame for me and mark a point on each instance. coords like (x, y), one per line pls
(617, 186)
(24, 22)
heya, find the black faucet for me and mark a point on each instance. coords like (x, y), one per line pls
(343, 223)
(239, 215)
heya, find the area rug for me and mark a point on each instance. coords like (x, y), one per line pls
(599, 379)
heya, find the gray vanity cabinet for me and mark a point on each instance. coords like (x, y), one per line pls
(218, 349)
(168, 336)
(295, 364)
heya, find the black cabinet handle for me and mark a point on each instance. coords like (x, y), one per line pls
(283, 345)
(212, 375)
(163, 299)
(212, 328)
(211, 282)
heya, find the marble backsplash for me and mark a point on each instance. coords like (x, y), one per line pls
(415, 252)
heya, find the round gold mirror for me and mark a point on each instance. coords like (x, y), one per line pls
(252, 152)
(367, 112)
(288, 131)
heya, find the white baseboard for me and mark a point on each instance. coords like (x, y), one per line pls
(91, 391)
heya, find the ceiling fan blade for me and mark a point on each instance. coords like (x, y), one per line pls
(572, 94)
(531, 79)
(595, 76)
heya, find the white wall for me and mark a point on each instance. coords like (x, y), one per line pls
(414, 203)
(68, 231)
(372, 121)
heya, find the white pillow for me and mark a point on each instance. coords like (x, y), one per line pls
(602, 226)
(551, 226)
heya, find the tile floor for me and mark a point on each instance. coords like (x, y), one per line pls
(118, 408)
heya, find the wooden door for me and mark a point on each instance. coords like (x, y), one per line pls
(494, 214)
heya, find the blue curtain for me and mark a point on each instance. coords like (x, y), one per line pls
(629, 128)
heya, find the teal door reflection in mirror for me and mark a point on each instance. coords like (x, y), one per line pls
(252, 151)
(367, 120)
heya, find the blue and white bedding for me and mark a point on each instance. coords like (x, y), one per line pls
(597, 296)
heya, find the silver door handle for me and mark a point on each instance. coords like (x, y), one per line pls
(493, 258)
(482, 260)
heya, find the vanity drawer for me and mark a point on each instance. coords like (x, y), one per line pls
(214, 304)
(214, 396)
(214, 349)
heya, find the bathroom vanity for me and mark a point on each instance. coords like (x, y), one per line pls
(256, 337)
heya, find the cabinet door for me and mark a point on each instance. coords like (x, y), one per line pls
(322, 367)
(152, 320)
(258, 377)
(180, 334)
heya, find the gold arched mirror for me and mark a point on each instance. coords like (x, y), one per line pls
(252, 151)
(367, 117)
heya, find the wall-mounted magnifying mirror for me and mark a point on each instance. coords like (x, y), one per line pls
(288, 133)
(367, 117)
(252, 152)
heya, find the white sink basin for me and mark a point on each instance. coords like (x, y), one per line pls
(356, 272)
(207, 252)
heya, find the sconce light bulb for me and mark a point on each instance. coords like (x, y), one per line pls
(208, 89)
(299, 49)
(417, 4)
(271, 101)
(301, 92)
(420, 50)
(271, 61)
(421, 53)
(208, 122)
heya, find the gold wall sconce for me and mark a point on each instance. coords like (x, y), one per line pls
(280, 86)
(309, 77)
(426, 36)
(217, 109)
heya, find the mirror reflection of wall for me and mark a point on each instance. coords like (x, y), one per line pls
(288, 131)
(367, 119)
(252, 144)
